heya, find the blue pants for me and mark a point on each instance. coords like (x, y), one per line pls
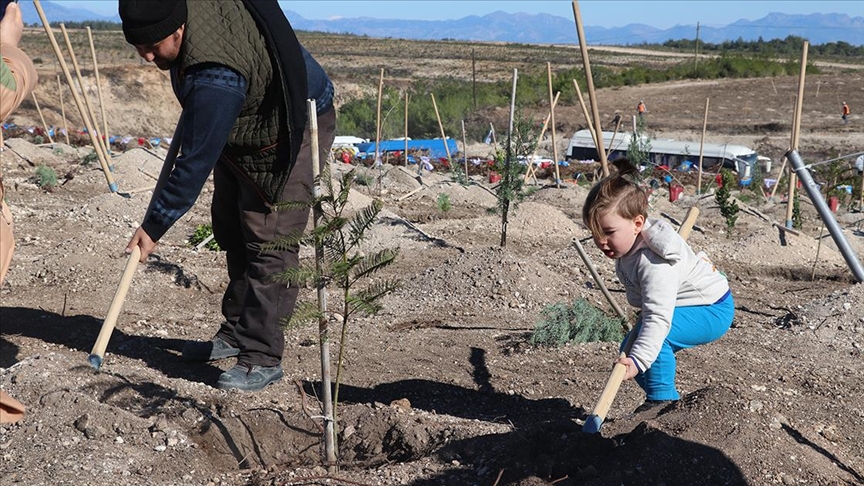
(691, 326)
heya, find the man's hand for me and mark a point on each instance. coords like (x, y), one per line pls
(11, 26)
(632, 370)
(143, 241)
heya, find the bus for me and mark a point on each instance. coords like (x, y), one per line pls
(669, 152)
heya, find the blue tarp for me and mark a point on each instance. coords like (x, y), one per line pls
(435, 146)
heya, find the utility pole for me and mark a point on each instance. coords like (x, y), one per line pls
(474, 78)
(696, 58)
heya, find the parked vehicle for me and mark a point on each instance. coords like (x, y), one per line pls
(669, 152)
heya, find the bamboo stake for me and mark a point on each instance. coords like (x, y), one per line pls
(465, 149)
(44, 125)
(531, 169)
(378, 121)
(818, 247)
(323, 331)
(406, 128)
(443, 136)
(702, 148)
(63, 110)
(783, 165)
(99, 92)
(552, 122)
(587, 117)
(492, 130)
(84, 93)
(796, 132)
(592, 96)
(112, 186)
(860, 196)
(614, 134)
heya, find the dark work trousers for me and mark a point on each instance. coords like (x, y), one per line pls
(253, 305)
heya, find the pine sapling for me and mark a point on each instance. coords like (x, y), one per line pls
(728, 207)
(344, 266)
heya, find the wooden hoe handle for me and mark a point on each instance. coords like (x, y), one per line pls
(98, 352)
(595, 420)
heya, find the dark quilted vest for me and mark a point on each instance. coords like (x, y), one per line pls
(224, 32)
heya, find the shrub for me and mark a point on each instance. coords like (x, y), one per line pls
(46, 177)
(202, 232)
(89, 158)
(444, 202)
(580, 322)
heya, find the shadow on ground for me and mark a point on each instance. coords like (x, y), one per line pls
(80, 332)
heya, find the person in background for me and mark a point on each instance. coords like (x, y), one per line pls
(683, 300)
(640, 109)
(845, 111)
(17, 80)
(242, 80)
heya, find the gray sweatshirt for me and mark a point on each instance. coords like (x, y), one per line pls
(659, 273)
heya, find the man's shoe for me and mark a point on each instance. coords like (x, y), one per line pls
(650, 404)
(208, 350)
(249, 377)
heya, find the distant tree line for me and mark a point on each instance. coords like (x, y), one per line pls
(790, 46)
(93, 24)
(454, 98)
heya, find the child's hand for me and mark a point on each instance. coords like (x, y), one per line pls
(632, 370)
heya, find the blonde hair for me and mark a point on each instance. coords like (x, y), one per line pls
(617, 192)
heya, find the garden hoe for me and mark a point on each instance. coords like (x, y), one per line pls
(595, 420)
(97, 355)
(98, 352)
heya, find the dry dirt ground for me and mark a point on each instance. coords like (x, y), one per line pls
(443, 386)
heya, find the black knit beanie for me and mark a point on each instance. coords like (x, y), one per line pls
(147, 22)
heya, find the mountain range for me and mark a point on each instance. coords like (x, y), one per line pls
(541, 28)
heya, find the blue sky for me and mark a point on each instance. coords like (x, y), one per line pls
(602, 13)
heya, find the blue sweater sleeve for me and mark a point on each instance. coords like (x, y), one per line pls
(212, 97)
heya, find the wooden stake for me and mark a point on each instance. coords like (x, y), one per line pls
(63, 110)
(587, 118)
(773, 86)
(406, 128)
(378, 120)
(102, 159)
(492, 130)
(441, 126)
(702, 148)
(531, 169)
(612, 141)
(99, 92)
(592, 96)
(552, 122)
(464, 149)
(796, 131)
(818, 247)
(860, 196)
(90, 115)
(44, 125)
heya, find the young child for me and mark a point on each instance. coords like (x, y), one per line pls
(684, 300)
